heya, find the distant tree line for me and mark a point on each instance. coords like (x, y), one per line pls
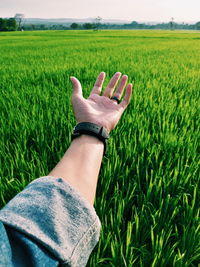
(44, 27)
(138, 26)
(163, 26)
(85, 26)
(73, 26)
(16, 23)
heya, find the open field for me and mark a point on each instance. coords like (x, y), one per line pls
(147, 195)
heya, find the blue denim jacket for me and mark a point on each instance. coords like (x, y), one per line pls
(48, 224)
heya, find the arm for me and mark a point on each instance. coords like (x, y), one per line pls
(81, 163)
(49, 221)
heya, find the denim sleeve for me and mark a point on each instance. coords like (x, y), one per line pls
(54, 215)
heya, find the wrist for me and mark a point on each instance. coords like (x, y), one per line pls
(88, 139)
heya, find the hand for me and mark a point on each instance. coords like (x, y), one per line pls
(98, 109)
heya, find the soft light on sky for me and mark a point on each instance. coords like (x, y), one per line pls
(139, 10)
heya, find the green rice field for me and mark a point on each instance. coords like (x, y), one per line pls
(148, 189)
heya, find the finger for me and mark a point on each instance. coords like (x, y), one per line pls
(111, 86)
(98, 84)
(127, 97)
(119, 91)
(77, 88)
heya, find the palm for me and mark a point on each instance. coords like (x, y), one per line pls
(100, 109)
(97, 109)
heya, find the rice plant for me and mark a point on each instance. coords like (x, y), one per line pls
(148, 190)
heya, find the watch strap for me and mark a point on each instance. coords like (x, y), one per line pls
(92, 129)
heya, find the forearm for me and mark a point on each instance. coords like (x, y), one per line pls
(80, 165)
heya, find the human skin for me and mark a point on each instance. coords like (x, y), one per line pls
(81, 162)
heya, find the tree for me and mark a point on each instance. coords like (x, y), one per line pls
(2, 24)
(19, 18)
(197, 25)
(11, 24)
(171, 24)
(134, 24)
(97, 23)
(88, 26)
(74, 26)
(8, 24)
(42, 27)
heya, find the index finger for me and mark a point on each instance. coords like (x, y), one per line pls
(98, 84)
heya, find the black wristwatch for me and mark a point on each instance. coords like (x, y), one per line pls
(93, 129)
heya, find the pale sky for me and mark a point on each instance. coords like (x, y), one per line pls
(139, 10)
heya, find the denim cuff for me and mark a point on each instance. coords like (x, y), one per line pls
(55, 215)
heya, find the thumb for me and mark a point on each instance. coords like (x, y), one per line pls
(77, 88)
